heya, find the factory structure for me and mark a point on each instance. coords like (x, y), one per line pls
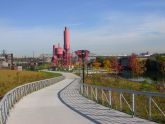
(62, 57)
(6, 60)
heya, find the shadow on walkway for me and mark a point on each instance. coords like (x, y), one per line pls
(89, 109)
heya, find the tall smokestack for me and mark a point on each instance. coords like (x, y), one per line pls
(66, 39)
(53, 50)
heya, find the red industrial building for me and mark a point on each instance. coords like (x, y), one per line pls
(62, 56)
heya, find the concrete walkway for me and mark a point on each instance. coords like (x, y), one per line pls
(61, 103)
(44, 107)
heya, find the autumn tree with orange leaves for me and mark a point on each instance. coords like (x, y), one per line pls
(136, 66)
(107, 64)
(116, 67)
(96, 64)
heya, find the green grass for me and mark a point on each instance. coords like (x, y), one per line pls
(103, 80)
(10, 79)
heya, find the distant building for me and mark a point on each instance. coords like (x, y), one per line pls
(146, 54)
(6, 60)
(3, 63)
(46, 58)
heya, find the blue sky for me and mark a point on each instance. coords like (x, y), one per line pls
(106, 27)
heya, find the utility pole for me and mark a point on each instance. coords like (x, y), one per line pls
(82, 54)
(83, 64)
(33, 55)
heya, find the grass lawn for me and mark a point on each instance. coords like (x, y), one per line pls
(10, 79)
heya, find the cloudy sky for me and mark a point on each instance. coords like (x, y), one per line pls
(105, 27)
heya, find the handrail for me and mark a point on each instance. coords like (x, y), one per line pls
(127, 90)
(14, 95)
(89, 90)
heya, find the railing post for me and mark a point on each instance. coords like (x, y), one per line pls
(1, 115)
(149, 107)
(18, 95)
(15, 94)
(85, 88)
(102, 96)
(121, 107)
(81, 89)
(110, 99)
(7, 105)
(14, 97)
(11, 99)
(28, 88)
(5, 111)
(20, 92)
(24, 91)
(96, 94)
(133, 105)
(91, 92)
(87, 92)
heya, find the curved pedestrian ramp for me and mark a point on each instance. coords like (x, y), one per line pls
(61, 103)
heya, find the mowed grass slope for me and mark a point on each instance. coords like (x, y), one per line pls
(10, 79)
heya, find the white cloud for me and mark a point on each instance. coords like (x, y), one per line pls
(149, 35)
(146, 35)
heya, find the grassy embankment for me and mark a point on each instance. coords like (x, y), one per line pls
(140, 100)
(10, 79)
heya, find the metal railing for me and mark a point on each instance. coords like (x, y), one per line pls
(102, 94)
(14, 95)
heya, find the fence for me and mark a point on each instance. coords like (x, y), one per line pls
(13, 96)
(134, 100)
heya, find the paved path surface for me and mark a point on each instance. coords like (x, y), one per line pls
(55, 104)
(44, 107)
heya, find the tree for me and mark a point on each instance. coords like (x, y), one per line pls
(156, 63)
(96, 64)
(107, 64)
(116, 67)
(136, 66)
(162, 67)
(161, 61)
(100, 59)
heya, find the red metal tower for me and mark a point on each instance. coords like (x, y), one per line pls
(66, 39)
(63, 55)
(67, 55)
